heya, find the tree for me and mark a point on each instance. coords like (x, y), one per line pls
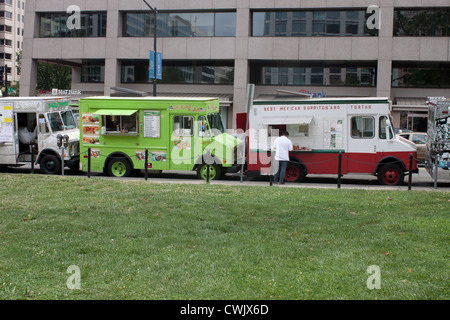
(19, 61)
(52, 75)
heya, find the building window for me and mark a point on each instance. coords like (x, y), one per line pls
(310, 23)
(414, 120)
(420, 75)
(5, 42)
(93, 71)
(5, 56)
(180, 72)
(5, 28)
(6, 2)
(422, 22)
(313, 73)
(5, 14)
(54, 25)
(175, 24)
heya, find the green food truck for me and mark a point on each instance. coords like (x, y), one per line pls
(182, 134)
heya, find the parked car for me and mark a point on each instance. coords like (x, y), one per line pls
(420, 140)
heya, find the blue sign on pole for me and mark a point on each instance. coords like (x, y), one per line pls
(158, 65)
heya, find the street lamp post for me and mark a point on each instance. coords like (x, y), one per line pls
(154, 45)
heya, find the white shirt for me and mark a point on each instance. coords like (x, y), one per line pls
(282, 146)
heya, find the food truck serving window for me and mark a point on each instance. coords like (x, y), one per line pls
(115, 120)
(123, 124)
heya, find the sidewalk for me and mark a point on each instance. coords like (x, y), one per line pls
(420, 182)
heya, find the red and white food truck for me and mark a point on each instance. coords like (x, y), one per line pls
(360, 129)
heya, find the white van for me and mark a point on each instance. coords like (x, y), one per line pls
(35, 121)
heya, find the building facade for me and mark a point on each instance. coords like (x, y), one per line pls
(399, 49)
(12, 17)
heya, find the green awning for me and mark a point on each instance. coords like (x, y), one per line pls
(114, 112)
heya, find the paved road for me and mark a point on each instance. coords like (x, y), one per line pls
(421, 181)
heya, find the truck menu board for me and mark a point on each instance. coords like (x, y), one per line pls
(6, 124)
(332, 133)
(152, 124)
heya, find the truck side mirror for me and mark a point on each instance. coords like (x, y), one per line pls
(59, 140)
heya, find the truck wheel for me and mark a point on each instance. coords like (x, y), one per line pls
(214, 171)
(119, 167)
(390, 175)
(50, 165)
(294, 173)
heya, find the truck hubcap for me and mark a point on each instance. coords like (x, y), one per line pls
(50, 165)
(291, 173)
(391, 176)
(118, 169)
(212, 172)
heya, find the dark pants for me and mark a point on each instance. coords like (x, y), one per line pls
(280, 167)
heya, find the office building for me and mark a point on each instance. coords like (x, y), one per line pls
(11, 36)
(331, 48)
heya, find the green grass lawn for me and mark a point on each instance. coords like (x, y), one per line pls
(147, 240)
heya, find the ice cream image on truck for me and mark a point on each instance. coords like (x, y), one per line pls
(36, 122)
(359, 129)
(182, 134)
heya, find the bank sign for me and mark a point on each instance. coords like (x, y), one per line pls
(58, 92)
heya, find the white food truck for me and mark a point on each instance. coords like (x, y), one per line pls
(37, 122)
(357, 132)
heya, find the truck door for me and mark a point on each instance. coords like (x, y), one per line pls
(181, 144)
(361, 152)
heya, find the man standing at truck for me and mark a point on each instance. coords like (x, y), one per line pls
(282, 145)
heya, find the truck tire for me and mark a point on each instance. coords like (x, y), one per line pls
(390, 175)
(215, 171)
(294, 173)
(50, 164)
(119, 167)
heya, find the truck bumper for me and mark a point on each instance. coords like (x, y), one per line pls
(235, 168)
(73, 162)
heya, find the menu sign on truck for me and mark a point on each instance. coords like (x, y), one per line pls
(152, 124)
(6, 124)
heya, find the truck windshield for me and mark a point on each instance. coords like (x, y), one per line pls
(68, 120)
(60, 121)
(215, 122)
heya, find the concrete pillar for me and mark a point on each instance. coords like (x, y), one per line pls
(385, 45)
(112, 75)
(112, 65)
(241, 62)
(28, 78)
(29, 65)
